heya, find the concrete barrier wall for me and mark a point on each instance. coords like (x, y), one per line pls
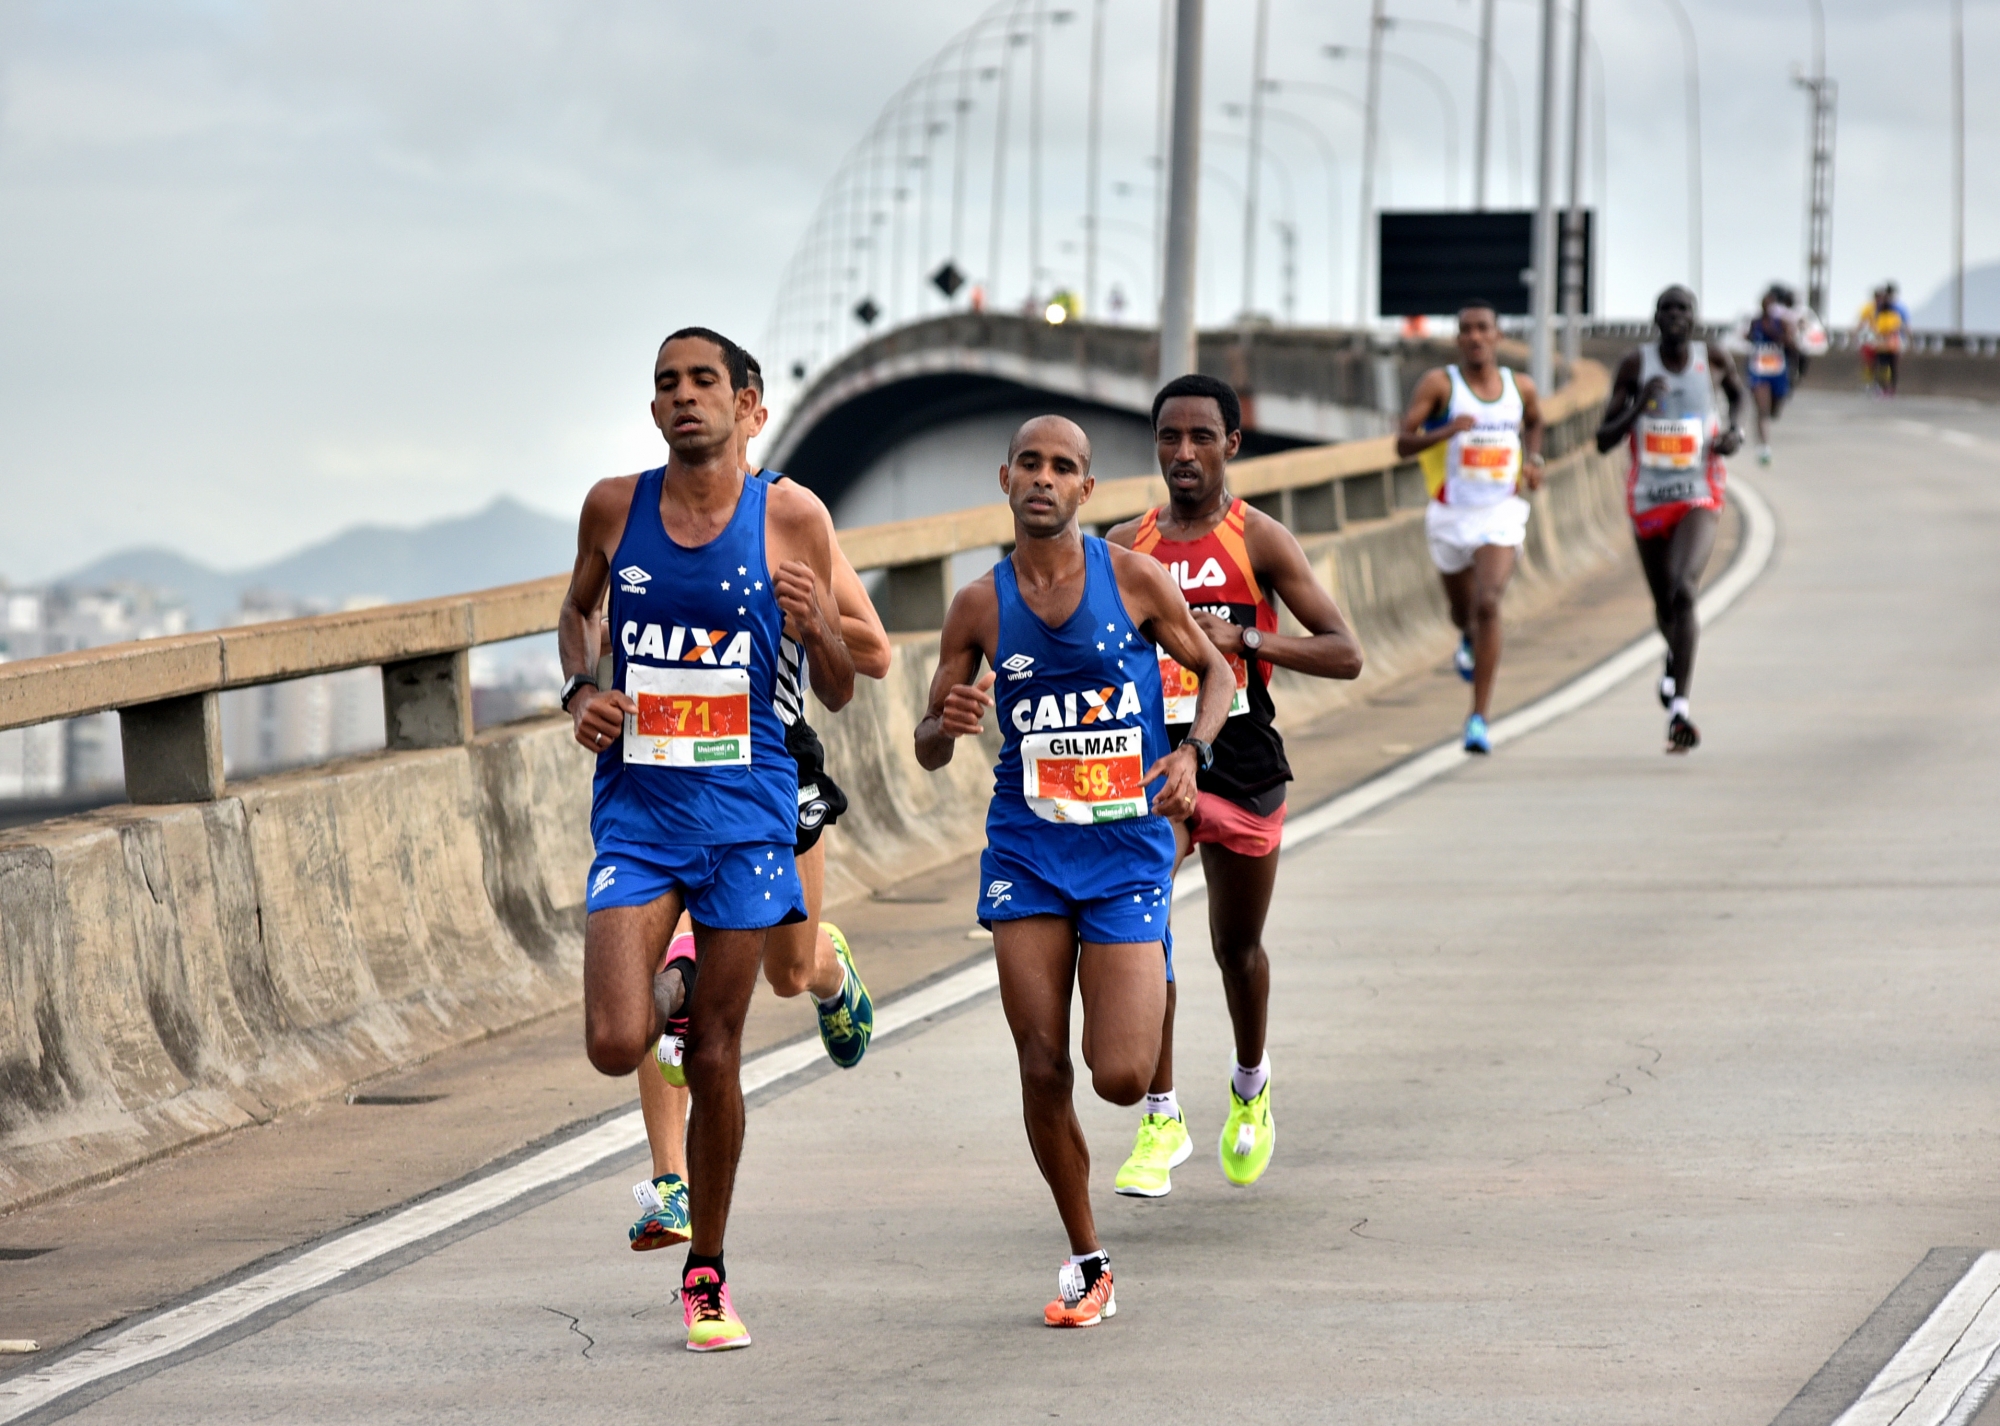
(173, 973)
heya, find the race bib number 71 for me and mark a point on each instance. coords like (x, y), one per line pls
(691, 718)
(1085, 777)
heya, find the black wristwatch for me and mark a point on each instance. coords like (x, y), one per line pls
(1253, 639)
(570, 689)
(1204, 752)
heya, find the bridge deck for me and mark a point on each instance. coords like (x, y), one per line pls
(1612, 1087)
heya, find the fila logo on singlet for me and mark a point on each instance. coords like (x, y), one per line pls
(685, 645)
(1018, 667)
(634, 579)
(1072, 710)
(1209, 576)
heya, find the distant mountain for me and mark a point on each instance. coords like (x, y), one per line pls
(1982, 303)
(501, 544)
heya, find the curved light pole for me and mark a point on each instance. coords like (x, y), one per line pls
(1265, 156)
(1332, 162)
(1482, 52)
(1445, 102)
(1693, 58)
(1253, 164)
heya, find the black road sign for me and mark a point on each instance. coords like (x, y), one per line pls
(948, 279)
(867, 311)
(1433, 262)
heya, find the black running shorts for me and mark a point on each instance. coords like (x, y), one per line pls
(820, 799)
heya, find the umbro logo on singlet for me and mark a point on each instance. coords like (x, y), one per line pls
(1209, 576)
(996, 892)
(1018, 667)
(633, 579)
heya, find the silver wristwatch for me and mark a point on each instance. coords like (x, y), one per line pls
(1253, 639)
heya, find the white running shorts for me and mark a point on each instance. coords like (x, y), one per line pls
(1457, 531)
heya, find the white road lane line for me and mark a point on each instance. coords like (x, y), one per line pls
(1941, 1375)
(192, 1322)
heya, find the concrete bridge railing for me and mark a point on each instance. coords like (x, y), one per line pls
(174, 970)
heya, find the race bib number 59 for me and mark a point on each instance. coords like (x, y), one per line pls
(692, 718)
(1085, 777)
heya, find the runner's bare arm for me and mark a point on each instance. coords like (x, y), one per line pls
(1161, 610)
(1329, 649)
(1623, 406)
(803, 582)
(1433, 391)
(598, 714)
(1731, 440)
(860, 626)
(1531, 431)
(957, 707)
(1124, 532)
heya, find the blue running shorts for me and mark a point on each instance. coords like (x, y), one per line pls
(1127, 901)
(742, 886)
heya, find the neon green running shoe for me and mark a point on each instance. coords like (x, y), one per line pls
(712, 1323)
(846, 1028)
(667, 1054)
(1247, 1138)
(1162, 1146)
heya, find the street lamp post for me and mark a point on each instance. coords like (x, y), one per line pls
(1447, 106)
(1693, 58)
(1332, 163)
(1093, 179)
(1542, 362)
(1252, 175)
(1481, 122)
(1371, 113)
(1572, 234)
(1958, 165)
(1177, 329)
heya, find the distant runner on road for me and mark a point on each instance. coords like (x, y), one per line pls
(1663, 402)
(808, 955)
(1774, 347)
(1229, 561)
(1478, 427)
(1077, 879)
(695, 802)
(1885, 323)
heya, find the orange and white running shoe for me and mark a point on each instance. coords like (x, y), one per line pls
(712, 1323)
(1084, 1295)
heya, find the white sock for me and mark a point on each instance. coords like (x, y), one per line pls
(838, 991)
(1678, 708)
(1249, 1083)
(1081, 1258)
(1167, 1105)
(1667, 685)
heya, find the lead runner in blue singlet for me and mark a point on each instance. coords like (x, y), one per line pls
(695, 803)
(1077, 879)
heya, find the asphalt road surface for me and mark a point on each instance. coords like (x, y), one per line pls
(1610, 1086)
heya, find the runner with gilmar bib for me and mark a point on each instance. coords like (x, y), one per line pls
(1663, 403)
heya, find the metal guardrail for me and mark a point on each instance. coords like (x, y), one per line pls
(167, 690)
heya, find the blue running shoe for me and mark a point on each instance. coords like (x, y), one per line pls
(1476, 740)
(845, 1028)
(663, 1213)
(1462, 660)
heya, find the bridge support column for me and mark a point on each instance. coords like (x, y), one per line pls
(427, 702)
(173, 749)
(916, 596)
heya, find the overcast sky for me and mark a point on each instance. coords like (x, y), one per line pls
(269, 269)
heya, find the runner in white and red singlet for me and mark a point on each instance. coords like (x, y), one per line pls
(1663, 405)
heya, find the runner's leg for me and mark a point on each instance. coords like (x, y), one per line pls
(1239, 898)
(1492, 567)
(1163, 1072)
(1682, 556)
(714, 1063)
(1458, 595)
(622, 946)
(800, 957)
(665, 1107)
(1762, 392)
(1036, 958)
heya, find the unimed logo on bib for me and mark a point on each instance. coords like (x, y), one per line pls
(721, 750)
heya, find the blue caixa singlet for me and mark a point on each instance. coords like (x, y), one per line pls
(702, 766)
(1070, 830)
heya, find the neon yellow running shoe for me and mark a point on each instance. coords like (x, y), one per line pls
(1162, 1146)
(712, 1323)
(667, 1054)
(1247, 1137)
